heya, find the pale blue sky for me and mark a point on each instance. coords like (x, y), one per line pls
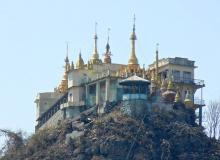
(33, 35)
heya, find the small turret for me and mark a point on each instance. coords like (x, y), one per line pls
(107, 54)
(188, 101)
(169, 94)
(170, 85)
(177, 97)
(80, 62)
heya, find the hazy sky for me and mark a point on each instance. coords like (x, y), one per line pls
(33, 35)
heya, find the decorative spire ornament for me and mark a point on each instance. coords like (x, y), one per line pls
(169, 94)
(95, 56)
(133, 61)
(107, 54)
(67, 63)
(177, 97)
(80, 62)
(188, 101)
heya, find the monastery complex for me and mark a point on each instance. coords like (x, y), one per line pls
(96, 83)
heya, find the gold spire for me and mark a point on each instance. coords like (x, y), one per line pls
(169, 94)
(79, 62)
(177, 97)
(63, 86)
(95, 56)
(67, 63)
(133, 61)
(188, 102)
(170, 85)
(67, 52)
(107, 54)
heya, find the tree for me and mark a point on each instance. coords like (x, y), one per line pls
(213, 118)
(14, 143)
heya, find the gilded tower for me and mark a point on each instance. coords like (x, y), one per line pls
(63, 86)
(107, 54)
(80, 62)
(95, 56)
(133, 61)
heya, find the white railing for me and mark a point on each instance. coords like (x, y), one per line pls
(68, 104)
(188, 81)
(199, 102)
(134, 96)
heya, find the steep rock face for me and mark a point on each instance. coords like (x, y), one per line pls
(114, 136)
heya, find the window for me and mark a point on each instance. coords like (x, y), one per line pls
(176, 75)
(70, 77)
(187, 77)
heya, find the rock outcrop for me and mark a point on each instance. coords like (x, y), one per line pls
(161, 135)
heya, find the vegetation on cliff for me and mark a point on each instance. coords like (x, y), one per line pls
(165, 135)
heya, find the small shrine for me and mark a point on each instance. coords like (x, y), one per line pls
(135, 88)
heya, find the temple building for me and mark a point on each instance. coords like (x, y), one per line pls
(90, 84)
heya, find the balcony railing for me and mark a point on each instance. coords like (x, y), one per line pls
(199, 82)
(188, 81)
(199, 102)
(71, 104)
(51, 111)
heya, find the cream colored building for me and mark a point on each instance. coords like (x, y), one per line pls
(181, 70)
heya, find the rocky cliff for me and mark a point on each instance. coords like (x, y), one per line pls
(159, 135)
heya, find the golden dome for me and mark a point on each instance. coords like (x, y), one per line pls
(188, 102)
(170, 85)
(177, 97)
(169, 94)
(79, 62)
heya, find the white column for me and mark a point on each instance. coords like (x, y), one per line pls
(87, 95)
(107, 89)
(97, 92)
